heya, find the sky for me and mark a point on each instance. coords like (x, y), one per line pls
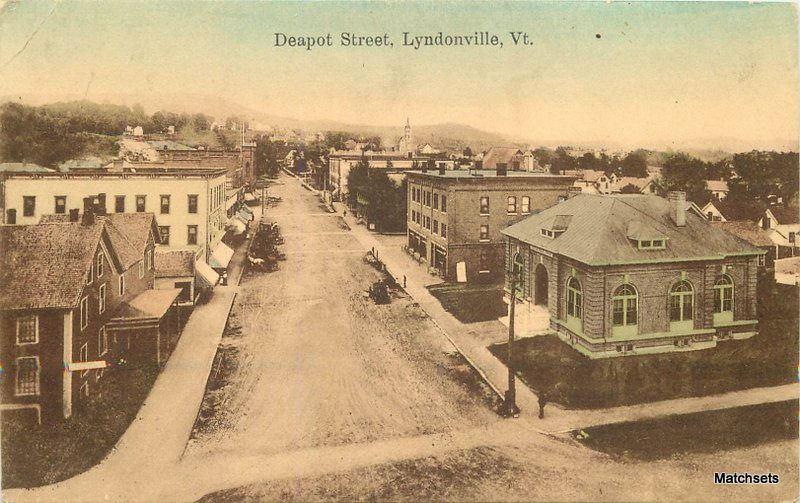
(632, 73)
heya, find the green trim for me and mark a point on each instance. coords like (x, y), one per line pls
(652, 335)
(723, 319)
(737, 323)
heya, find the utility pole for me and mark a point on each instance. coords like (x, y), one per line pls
(510, 404)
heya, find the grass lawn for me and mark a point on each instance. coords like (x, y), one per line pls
(473, 303)
(35, 455)
(767, 359)
(703, 432)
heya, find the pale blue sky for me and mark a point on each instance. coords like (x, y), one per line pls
(660, 73)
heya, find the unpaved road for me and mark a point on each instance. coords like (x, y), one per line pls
(316, 363)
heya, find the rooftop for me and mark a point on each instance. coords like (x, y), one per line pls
(45, 265)
(174, 263)
(601, 227)
(23, 167)
(485, 173)
(747, 230)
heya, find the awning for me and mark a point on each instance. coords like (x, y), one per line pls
(249, 196)
(207, 276)
(242, 218)
(235, 226)
(246, 217)
(144, 310)
(247, 211)
(221, 256)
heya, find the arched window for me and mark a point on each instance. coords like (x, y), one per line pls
(723, 294)
(681, 301)
(574, 298)
(625, 310)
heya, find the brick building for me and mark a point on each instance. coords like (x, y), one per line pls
(634, 274)
(455, 217)
(76, 296)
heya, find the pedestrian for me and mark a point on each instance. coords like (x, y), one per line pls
(345, 213)
(542, 403)
(404, 281)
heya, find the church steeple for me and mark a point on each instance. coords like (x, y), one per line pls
(405, 143)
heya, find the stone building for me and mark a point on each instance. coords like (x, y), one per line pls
(454, 217)
(633, 274)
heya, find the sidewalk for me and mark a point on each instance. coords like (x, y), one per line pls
(155, 440)
(557, 420)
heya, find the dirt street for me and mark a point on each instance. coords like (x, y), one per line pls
(310, 361)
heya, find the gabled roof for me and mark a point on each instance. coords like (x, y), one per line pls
(497, 155)
(129, 233)
(785, 215)
(717, 185)
(746, 230)
(591, 175)
(44, 266)
(598, 231)
(174, 263)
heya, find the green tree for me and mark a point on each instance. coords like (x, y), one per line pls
(684, 172)
(562, 161)
(634, 164)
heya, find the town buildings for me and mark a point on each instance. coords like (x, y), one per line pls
(455, 217)
(633, 274)
(77, 298)
(189, 203)
(782, 223)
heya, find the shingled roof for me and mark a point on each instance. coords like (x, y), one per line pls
(45, 266)
(600, 225)
(174, 263)
(129, 233)
(747, 230)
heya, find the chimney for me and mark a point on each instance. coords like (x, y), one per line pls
(502, 169)
(677, 207)
(74, 214)
(101, 204)
(88, 211)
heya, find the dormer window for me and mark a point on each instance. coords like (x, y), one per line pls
(557, 226)
(547, 233)
(652, 244)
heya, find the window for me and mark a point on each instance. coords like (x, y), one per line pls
(165, 204)
(654, 244)
(762, 260)
(436, 201)
(444, 230)
(60, 205)
(89, 275)
(624, 310)
(100, 265)
(141, 204)
(119, 204)
(444, 203)
(28, 206)
(27, 329)
(547, 233)
(11, 216)
(84, 312)
(681, 301)
(512, 204)
(84, 357)
(192, 203)
(574, 298)
(121, 284)
(191, 237)
(526, 204)
(792, 237)
(27, 377)
(484, 232)
(484, 205)
(723, 294)
(102, 342)
(101, 299)
(163, 230)
(436, 227)
(141, 269)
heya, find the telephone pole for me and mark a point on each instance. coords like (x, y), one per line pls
(510, 408)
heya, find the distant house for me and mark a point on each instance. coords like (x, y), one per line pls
(509, 157)
(633, 274)
(754, 235)
(712, 212)
(77, 298)
(428, 149)
(607, 183)
(718, 188)
(783, 225)
(138, 131)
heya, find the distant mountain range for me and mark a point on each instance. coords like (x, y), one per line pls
(446, 136)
